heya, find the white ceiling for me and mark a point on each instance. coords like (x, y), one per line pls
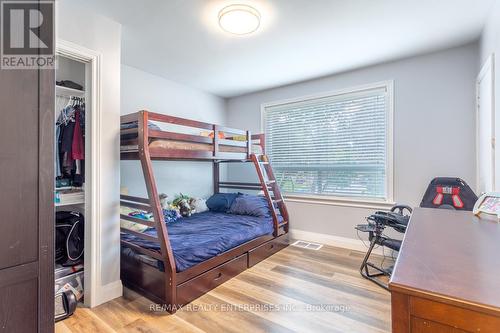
(298, 40)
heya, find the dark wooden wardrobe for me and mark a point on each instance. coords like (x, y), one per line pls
(26, 205)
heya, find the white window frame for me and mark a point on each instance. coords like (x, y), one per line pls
(343, 201)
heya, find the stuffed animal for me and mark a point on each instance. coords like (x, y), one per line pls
(181, 202)
(163, 201)
(198, 205)
(184, 208)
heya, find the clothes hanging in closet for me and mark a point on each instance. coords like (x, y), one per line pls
(70, 137)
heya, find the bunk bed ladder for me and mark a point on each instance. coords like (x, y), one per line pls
(269, 184)
(154, 199)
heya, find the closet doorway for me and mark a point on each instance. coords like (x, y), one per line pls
(76, 161)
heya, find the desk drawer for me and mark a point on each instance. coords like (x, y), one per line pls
(194, 288)
(419, 325)
(463, 319)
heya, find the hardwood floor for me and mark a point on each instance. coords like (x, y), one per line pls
(295, 290)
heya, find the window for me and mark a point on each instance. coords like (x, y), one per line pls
(334, 145)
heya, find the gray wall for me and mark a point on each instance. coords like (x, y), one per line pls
(490, 44)
(434, 128)
(141, 90)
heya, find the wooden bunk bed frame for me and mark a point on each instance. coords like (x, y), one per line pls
(174, 289)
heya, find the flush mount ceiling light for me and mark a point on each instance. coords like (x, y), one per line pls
(239, 19)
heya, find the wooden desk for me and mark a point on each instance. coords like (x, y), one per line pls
(447, 275)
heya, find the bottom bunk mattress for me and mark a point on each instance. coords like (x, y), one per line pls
(202, 236)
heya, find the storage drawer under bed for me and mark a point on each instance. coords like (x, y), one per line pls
(194, 288)
(267, 249)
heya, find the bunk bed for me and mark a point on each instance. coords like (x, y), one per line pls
(176, 279)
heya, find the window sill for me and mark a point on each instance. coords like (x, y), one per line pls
(343, 202)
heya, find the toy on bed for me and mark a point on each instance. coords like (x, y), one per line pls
(181, 203)
(170, 213)
(198, 205)
(134, 213)
(140, 214)
(211, 134)
(182, 206)
(164, 201)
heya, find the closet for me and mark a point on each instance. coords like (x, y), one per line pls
(70, 160)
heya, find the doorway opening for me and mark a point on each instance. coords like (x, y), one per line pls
(77, 114)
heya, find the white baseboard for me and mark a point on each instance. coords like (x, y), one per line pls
(337, 241)
(109, 292)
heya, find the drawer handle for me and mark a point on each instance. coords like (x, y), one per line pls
(271, 247)
(218, 276)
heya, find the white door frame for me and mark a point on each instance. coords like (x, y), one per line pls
(488, 67)
(92, 257)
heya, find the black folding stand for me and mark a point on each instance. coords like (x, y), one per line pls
(375, 227)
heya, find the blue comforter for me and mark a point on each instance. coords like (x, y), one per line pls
(202, 236)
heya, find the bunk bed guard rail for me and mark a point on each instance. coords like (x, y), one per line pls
(201, 140)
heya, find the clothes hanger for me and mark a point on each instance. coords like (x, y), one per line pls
(63, 118)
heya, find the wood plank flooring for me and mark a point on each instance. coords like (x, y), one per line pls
(296, 290)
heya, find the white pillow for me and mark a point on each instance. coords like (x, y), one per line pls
(199, 205)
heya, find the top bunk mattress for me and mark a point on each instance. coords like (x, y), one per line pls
(183, 145)
(205, 235)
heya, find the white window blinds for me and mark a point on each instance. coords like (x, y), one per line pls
(331, 146)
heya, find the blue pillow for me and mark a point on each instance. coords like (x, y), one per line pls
(252, 205)
(221, 202)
